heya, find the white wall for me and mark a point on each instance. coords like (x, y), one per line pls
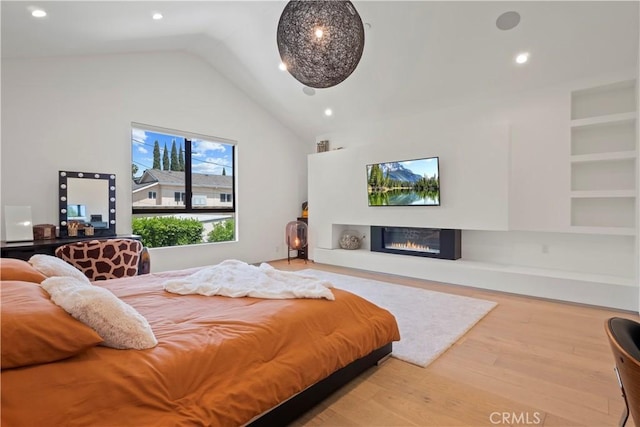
(76, 113)
(474, 170)
(515, 213)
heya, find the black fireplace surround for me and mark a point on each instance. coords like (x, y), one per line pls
(443, 243)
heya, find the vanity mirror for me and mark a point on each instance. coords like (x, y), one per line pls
(87, 204)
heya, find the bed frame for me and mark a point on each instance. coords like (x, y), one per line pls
(291, 409)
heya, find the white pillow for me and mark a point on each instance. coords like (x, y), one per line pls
(117, 323)
(53, 266)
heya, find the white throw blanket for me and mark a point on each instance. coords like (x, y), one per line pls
(233, 278)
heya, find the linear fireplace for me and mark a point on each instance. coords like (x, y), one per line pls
(441, 243)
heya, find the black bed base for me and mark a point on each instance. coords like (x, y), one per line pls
(297, 405)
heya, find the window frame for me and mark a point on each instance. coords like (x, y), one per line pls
(188, 207)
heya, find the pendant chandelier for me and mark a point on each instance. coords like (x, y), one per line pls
(320, 42)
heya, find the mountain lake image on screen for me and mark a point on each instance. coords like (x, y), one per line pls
(404, 183)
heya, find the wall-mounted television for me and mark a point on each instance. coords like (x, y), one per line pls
(404, 183)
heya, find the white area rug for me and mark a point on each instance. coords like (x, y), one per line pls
(430, 322)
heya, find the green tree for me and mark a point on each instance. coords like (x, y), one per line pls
(134, 170)
(162, 231)
(156, 155)
(224, 171)
(222, 231)
(175, 163)
(165, 159)
(181, 158)
(376, 177)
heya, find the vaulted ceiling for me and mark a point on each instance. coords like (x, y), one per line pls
(418, 55)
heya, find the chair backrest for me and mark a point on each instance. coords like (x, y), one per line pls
(103, 259)
(624, 338)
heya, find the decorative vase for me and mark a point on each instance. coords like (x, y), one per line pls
(350, 239)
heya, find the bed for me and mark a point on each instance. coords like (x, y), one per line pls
(219, 361)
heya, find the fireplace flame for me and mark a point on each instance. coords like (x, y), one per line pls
(409, 246)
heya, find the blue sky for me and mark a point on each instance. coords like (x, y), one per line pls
(422, 166)
(208, 156)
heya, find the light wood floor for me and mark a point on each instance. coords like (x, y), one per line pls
(540, 362)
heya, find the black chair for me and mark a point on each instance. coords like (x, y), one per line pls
(624, 338)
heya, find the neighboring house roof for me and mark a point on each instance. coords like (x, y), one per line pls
(135, 186)
(177, 178)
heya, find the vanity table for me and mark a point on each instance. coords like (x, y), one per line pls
(24, 250)
(85, 199)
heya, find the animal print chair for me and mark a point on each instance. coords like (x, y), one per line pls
(104, 259)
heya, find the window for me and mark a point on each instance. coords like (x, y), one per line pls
(199, 200)
(178, 197)
(181, 174)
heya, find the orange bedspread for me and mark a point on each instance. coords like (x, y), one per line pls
(220, 361)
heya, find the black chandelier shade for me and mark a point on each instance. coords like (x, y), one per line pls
(320, 42)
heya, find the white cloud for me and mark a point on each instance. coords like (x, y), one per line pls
(207, 168)
(138, 135)
(142, 150)
(218, 160)
(200, 145)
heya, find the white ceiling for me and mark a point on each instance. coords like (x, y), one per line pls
(418, 55)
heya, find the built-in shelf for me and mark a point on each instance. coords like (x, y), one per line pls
(588, 288)
(607, 212)
(603, 159)
(608, 99)
(605, 138)
(516, 269)
(602, 194)
(604, 175)
(604, 120)
(598, 157)
(613, 231)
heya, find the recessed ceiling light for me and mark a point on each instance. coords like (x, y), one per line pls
(328, 112)
(157, 16)
(522, 57)
(38, 13)
(282, 66)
